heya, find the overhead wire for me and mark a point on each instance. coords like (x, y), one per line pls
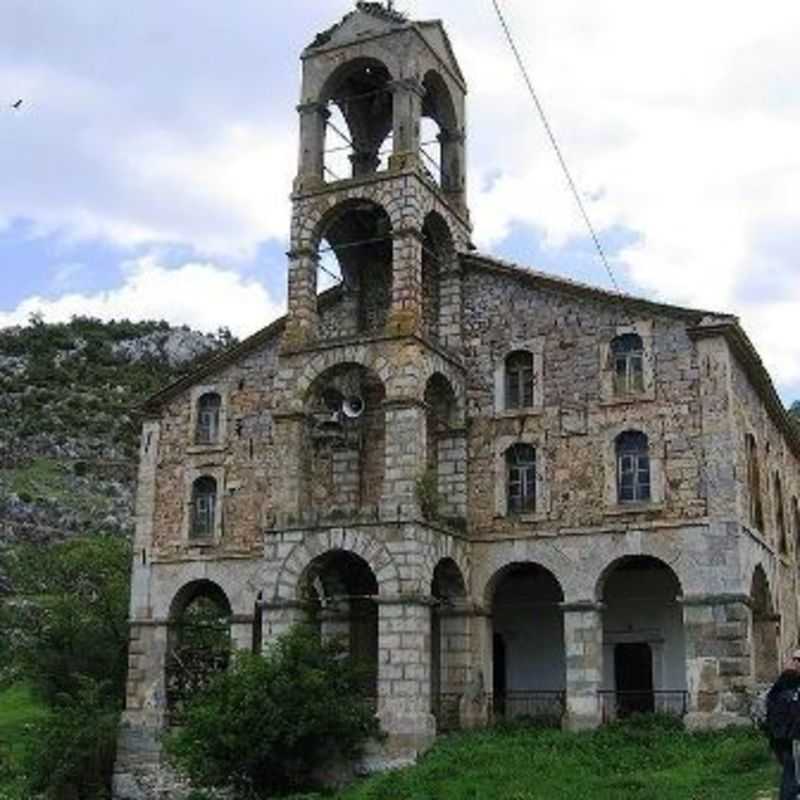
(554, 142)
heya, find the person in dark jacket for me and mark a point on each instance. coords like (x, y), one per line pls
(785, 748)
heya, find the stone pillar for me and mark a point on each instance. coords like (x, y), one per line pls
(144, 717)
(242, 632)
(408, 95)
(718, 659)
(279, 616)
(454, 181)
(405, 459)
(450, 309)
(301, 322)
(290, 485)
(405, 314)
(583, 639)
(404, 676)
(311, 166)
(474, 711)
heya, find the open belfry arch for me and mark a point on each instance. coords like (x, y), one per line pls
(508, 493)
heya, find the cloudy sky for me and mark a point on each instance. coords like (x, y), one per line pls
(147, 172)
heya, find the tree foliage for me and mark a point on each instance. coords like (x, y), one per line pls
(265, 723)
(65, 632)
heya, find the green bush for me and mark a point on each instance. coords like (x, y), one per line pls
(264, 724)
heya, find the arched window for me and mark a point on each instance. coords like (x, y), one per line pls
(780, 521)
(627, 352)
(633, 468)
(519, 380)
(204, 508)
(521, 463)
(754, 483)
(208, 408)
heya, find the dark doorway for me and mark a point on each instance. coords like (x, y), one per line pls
(633, 673)
(499, 673)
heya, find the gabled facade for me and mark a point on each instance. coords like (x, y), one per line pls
(509, 493)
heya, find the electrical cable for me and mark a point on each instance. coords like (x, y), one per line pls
(554, 142)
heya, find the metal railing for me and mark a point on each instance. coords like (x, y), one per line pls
(539, 705)
(620, 704)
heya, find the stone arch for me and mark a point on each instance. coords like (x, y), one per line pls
(452, 375)
(529, 664)
(691, 580)
(548, 559)
(447, 548)
(765, 627)
(374, 553)
(198, 641)
(201, 587)
(644, 643)
(450, 642)
(628, 558)
(312, 220)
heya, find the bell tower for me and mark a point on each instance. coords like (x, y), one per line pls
(369, 403)
(380, 192)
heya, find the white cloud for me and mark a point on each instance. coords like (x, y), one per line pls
(202, 296)
(145, 124)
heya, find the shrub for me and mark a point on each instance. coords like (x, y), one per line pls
(264, 724)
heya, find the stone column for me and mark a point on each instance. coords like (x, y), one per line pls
(583, 639)
(404, 676)
(301, 322)
(405, 314)
(310, 172)
(408, 95)
(405, 458)
(718, 659)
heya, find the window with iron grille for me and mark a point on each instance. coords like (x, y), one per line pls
(521, 462)
(633, 468)
(204, 508)
(519, 380)
(208, 409)
(627, 353)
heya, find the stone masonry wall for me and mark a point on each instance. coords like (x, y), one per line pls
(575, 427)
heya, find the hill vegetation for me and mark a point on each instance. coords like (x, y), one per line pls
(69, 395)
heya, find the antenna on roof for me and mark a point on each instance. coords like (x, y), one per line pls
(390, 5)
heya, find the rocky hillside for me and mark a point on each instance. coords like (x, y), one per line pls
(69, 424)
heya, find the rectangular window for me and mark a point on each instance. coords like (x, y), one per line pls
(204, 515)
(207, 423)
(522, 489)
(634, 478)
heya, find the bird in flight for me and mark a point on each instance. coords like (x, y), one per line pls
(16, 106)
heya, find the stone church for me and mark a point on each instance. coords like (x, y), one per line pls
(510, 494)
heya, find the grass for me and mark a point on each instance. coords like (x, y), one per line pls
(640, 761)
(18, 710)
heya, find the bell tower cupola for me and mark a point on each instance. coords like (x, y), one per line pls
(379, 201)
